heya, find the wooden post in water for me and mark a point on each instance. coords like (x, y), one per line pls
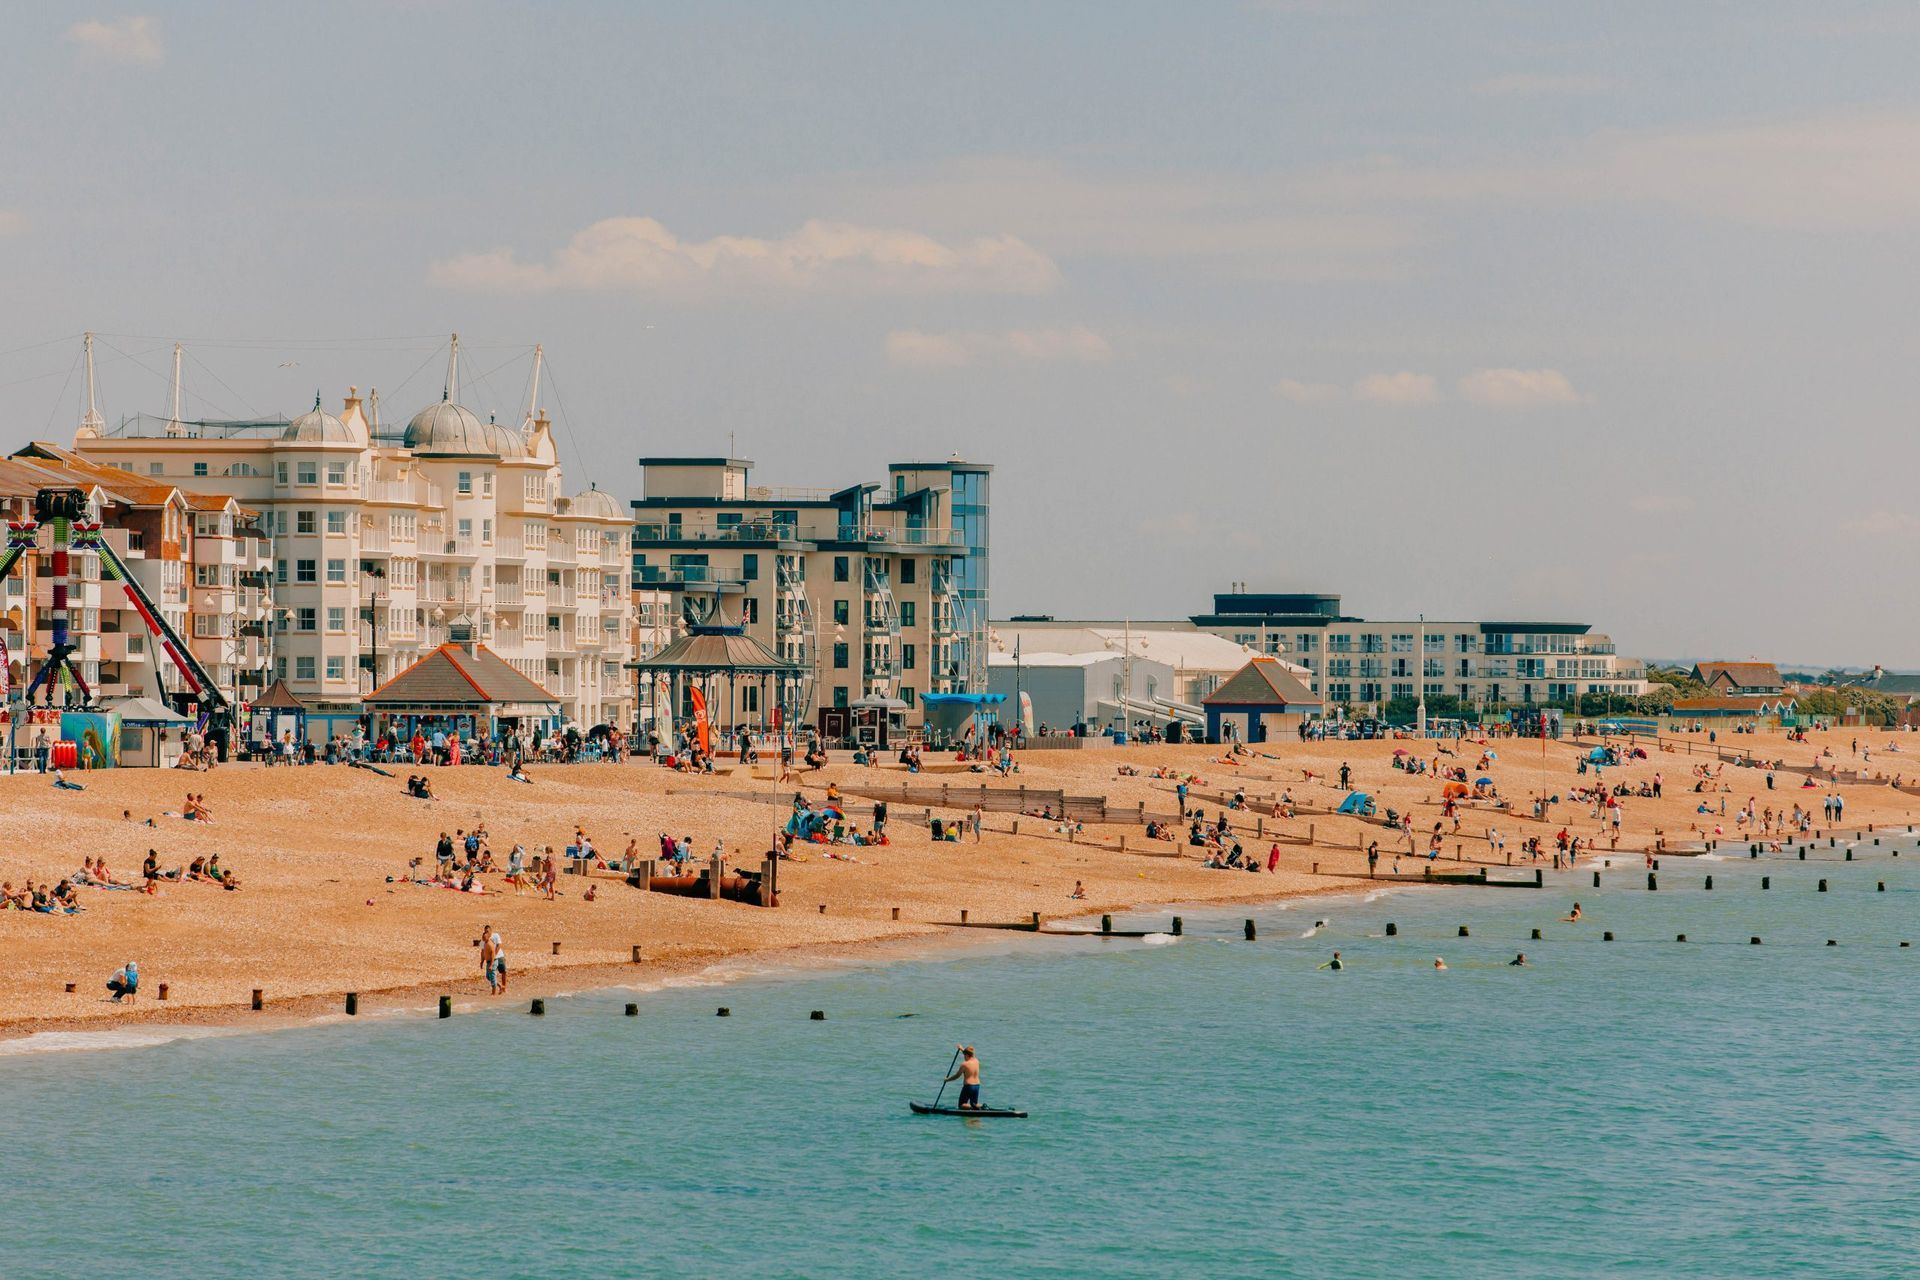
(446, 1006)
(538, 1008)
(1106, 924)
(1249, 931)
(633, 1010)
(353, 1004)
(1178, 926)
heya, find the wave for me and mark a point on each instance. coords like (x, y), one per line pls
(125, 1038)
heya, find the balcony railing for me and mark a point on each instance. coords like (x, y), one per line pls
(685, 575)
(785, 531)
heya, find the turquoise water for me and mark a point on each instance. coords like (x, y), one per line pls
(1206, 1106)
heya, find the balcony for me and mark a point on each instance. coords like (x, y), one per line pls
(507, 593)
(509, 549)
(696, 576)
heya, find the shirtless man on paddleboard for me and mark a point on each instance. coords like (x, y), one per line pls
(968, 1073)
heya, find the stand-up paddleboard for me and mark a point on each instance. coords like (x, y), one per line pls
(988, 1113)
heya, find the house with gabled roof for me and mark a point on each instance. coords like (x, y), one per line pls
(1258, 701)
(1741, 679)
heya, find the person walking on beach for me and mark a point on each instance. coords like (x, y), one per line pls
(497, 975)
(41, 751)
(486, 958)
(968, 1074)
(1373, 857)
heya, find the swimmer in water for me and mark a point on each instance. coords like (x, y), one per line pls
(1438, 963)
(1334, 964)
(1518, 962)
(1572, 917)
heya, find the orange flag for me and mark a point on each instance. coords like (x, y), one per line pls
(702, 730)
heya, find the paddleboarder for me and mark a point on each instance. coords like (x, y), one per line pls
(968, 1074)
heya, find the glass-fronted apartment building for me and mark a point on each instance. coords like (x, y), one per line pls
(879, 592)
(1360, 663)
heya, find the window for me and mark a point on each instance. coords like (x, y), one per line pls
(199, 468)
(907, 569)
(906, 607)
(750, 567)
(156, 468)
(336, 668)
(336, 618)
(906, 657)
(336, 473)
(486, 485)
(839, 568)
(841, 613)
(749, 611)
(280, 572)
(464, 484)
(306, 472)
(840, 695)
(486, 532)
(303, 619)
(840, 657)
(336, 523)
(305, 522)
(280, 475)
(303, 667)
(336, 571)
(305, 571)
(906, 694)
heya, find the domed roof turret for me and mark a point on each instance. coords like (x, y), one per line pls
(454, 429)
(595, 503)
(316, 426)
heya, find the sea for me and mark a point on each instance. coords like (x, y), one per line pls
(1200, 1105)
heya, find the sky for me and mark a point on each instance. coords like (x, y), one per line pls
(1598, 313)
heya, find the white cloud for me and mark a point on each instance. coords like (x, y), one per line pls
(1524, 85)
(936, 350)
(1885, 524)
(1518, 388)
(134, 39)
(1397, 388)
(13, 223)
(641, 254)
(1309, 392)
(1072, 345)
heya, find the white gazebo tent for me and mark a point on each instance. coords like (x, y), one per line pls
(144, 742)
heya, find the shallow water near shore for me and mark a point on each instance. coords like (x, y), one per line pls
(1640, 1107)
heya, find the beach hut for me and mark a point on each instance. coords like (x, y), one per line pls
(150, 733)
(1258, 701)
(465, 688)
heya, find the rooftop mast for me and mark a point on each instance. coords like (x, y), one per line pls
(533, 402)
(93, 421)
(173, 414)
(453, 369)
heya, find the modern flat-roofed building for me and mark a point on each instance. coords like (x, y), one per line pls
(1361, 663)
(877, 591)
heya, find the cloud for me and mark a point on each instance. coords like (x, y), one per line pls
(1309, 392)
(1518, 388)
(1660, 503)
(1884, 524)
(1073, 345)
(1525, 85)
(1397, 388)
(134, 40)
(642, 255)
(13, 223)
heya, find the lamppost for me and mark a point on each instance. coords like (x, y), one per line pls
(1420, 672)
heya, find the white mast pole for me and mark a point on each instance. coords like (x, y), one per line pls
(533, 402)
(453, 368)
(173, 413)
(93, 420)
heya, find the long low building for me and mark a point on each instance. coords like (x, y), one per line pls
(1363, 664)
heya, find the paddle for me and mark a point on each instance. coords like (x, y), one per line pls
(943, 1082)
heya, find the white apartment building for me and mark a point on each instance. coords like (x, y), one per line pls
(1363, 664)
(387, 544)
